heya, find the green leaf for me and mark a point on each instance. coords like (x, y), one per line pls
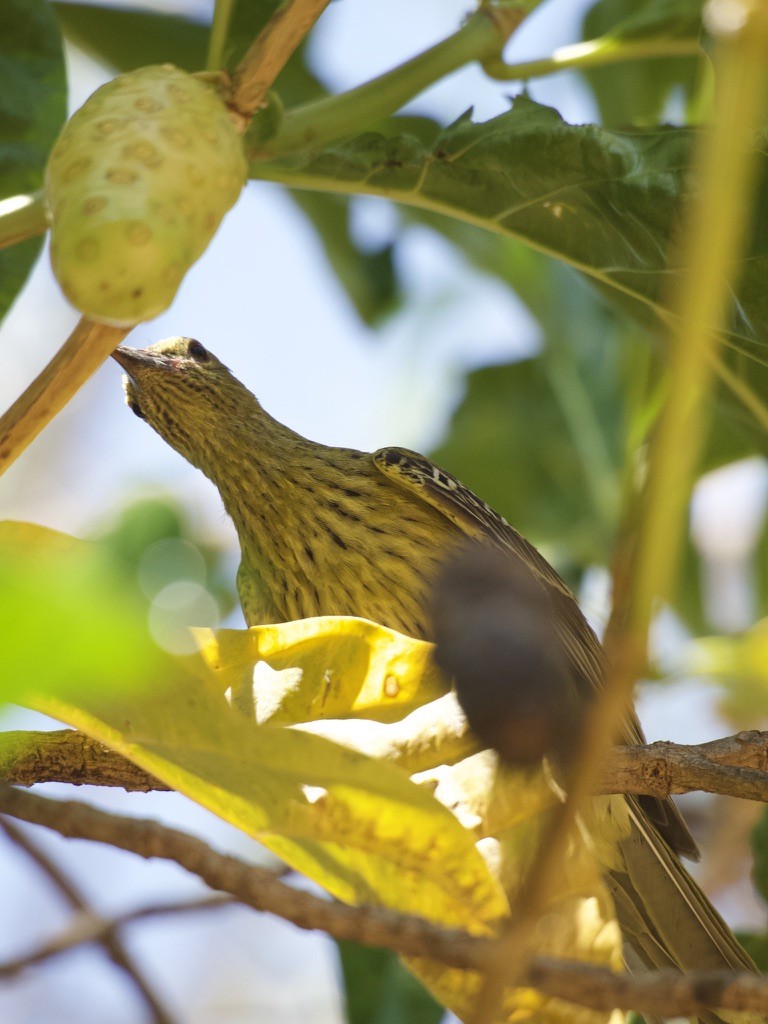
(368, 277)
(608, 203)
(33, 101)
(635, 92)
(542, 439)
(128, 39)
(638, 19)
(379, 990)
(73, 624)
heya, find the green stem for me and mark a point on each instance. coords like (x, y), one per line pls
(222, 14)
(711, 245)
(21, 217)
(592, 54)
(323, 121)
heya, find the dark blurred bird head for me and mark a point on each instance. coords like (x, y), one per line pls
(496, 636)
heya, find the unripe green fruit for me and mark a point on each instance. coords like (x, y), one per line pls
(136, 185)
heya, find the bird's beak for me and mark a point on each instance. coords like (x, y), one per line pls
(132, 359)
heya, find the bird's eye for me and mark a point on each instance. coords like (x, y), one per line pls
(198, 352)
(135, 408)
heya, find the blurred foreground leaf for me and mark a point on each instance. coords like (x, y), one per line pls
(358, 827)
(73, 625)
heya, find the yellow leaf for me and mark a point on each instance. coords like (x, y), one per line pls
(330, 667)
(360, 828)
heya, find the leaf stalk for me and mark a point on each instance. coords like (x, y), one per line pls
(21, 217)
(316, 124)
(592, 53)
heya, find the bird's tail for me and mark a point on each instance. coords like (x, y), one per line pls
(665, 918)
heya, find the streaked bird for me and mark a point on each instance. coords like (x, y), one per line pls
(334, 531)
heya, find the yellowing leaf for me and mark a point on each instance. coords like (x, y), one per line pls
(331, 667)
(361, 828)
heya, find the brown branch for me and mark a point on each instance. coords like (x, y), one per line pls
(257, 887)
(662, 993)
(79, 357)
(88, 928)
(65, 755)
(270, 52)
(734, 766)
(659, 993)
(108, 937)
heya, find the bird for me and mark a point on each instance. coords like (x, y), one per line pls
(335, 531)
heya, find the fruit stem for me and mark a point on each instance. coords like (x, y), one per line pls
(21, 217)
(79, 357)
(269, 53)
(315, 124)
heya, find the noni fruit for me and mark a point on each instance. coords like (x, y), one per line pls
(136, 185)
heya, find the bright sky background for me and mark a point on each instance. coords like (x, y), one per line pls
(263, 299)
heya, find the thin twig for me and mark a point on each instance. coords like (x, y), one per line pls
(255, 886)
(662, 993)
(89, 928)
(109, 938)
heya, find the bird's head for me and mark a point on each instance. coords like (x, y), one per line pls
(186, 394)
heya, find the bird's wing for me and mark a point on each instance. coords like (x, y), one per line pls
(665, 917)
(478, 520)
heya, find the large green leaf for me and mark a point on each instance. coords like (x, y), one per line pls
(543, 439)
(608, 203)
(379, 990)
(636, 91)
(128, 39)
(33, 100)
(72, 620)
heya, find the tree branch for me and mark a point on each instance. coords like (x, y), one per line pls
(733, 766)
(662, 993)
(255, 886)
(66, 755)
(79, 357)
(108, 935)
(88, 928)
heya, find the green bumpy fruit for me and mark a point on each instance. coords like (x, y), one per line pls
(136, 185)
